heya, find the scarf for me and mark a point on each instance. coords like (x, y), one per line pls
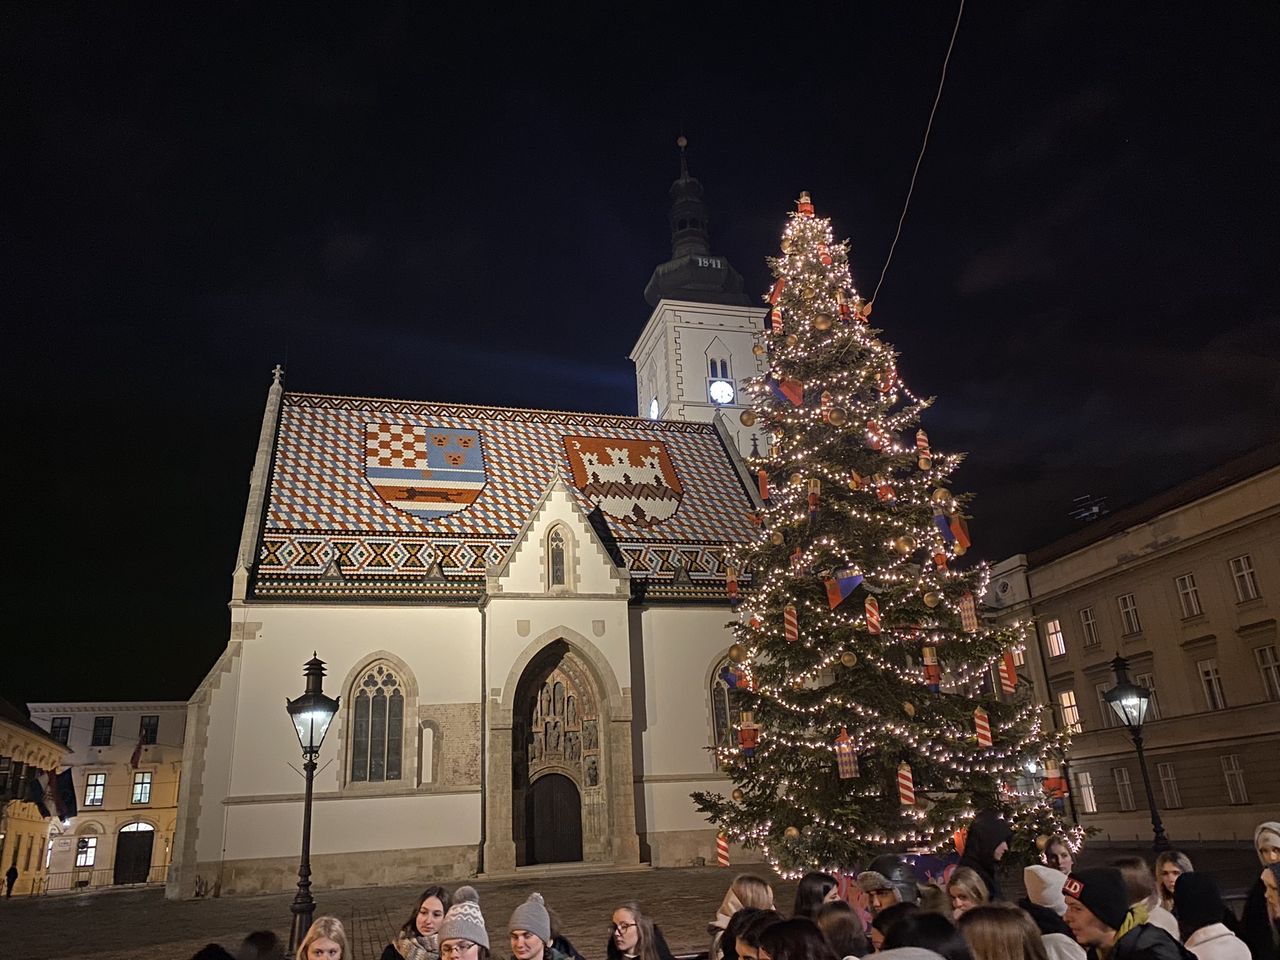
(1136, 917)
(417, 947)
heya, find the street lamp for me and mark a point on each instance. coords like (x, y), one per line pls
(1130, 702)
(311, 714)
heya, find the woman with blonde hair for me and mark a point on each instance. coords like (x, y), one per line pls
(326, 940)
(1001, 931)
(747, 890)
(966, 890)
(1170, 865)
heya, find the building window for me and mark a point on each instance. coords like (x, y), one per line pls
(1211, 680)
(95, 787)
(1019, 657)
(1089, 627)
(1169, 785)
(726, 681)
(1269, 667)
(102, 731)
(653, 408)
(141, 787)
(149, 727)
(48, 853)
(1124, 789)
(60, 729)
(1188, 596)
(1129, 621)
(720, 369)
(1105, 710)
(1053, 637)
(1148, 680)
(377, 729)
(1084, 787)
(1246, 583)
(1070, 711)
(1234, 775)
(86, 851)
(555, 559)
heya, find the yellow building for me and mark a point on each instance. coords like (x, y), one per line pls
(1186, 587)
(123, 833)
(26, 751)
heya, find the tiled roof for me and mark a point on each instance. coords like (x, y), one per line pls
(385, 499)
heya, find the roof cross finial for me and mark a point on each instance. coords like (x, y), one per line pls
(682, 141)
(277, 373)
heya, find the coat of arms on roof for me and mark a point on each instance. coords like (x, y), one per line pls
(425, 471)
(631, 481)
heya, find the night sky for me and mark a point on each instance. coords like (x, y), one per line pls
(416, 205)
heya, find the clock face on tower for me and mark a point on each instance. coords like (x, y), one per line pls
(721, 391)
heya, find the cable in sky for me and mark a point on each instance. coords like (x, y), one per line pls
(928, 127)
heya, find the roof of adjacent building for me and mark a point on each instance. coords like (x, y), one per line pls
(386, 499)
(12, 714)
(1235, 471)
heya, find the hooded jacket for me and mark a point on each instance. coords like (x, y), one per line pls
(1216, 942)
(1259, 932)
(986, 833)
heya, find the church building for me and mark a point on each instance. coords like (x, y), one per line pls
(523, 612)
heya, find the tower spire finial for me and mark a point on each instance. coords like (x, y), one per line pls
(682, 141)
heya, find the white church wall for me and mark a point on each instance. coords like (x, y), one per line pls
(212, 746)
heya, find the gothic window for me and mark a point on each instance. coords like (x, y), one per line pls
(726, 681)
(556, 559)
(377, 728)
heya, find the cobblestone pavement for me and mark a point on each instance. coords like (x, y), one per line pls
(142, 925)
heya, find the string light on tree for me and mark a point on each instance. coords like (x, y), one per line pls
(857, 732)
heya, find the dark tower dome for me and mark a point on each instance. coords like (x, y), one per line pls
(693, 272)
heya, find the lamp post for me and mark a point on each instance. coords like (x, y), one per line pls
(311, 714)
(1130, 702)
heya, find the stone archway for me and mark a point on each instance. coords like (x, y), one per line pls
(561, 713)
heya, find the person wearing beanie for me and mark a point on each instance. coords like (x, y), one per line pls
(418, 938)
(1046, 906)
(1100, 919)
(530, 929)
(888, 880)
(1260, 931)
(985, 843)
(463, 935)
(1198, 902)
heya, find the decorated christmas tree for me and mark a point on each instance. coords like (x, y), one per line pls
(875, 709)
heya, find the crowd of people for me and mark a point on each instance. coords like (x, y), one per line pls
(1127, 910)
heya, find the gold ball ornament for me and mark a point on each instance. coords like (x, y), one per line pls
(837, 417)
(909, 708)
(747, 418)
(849, 658)
(791, 833)
(924, 463)
(792, 339)
(931, 600)
(941, 495)
(797, 479)
(758, 349)
(822, 321)
(809, 293)
(959, 549)
(777, 537)
(738, 796)
(786, 244)
(737, 653)
(904, 545)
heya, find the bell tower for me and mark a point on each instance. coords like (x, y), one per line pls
(694, 353)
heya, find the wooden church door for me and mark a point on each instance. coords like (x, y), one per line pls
(554, 819)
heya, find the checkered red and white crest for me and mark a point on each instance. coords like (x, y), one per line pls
(402, 446)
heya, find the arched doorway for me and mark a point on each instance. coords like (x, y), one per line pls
(134, 844)
(556, 766)
(554, 808)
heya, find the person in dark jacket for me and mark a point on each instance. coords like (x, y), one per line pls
(1259, 932)
(633, 936)
(417, 938)
(986, 842)
(530, 930)
(1100, 919)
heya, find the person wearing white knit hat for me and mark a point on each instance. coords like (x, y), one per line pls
(463, 935)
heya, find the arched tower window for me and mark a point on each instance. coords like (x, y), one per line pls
(377, 729)
(726, 680)
(559, 546)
